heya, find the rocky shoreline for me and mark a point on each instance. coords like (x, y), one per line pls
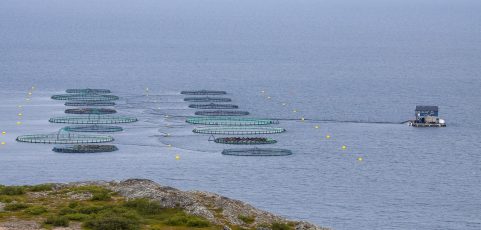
(218, 210)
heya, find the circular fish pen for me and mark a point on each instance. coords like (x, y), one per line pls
(257, 152)
(244, 140)
(90, 111)
(207, 99)
(222, 113)
(93, 128)
(213, 106)
(238, 130)
(230, 121)
(203, 92)
(85, 97)
(87, 91)
(93, 119)
(89, 103)
(57, 138)
(85, 148)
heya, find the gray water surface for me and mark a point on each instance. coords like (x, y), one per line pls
(367, 63)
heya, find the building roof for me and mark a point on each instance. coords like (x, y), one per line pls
(426, 108)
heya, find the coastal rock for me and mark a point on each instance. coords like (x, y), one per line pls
(216, 208)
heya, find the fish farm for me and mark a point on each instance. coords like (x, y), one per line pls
(88, 91)
(85, 148)
(90, 111)
(213, 106)
(85, 97)
(245, 140)
(89, 103)
(230, 121)
(93, 128)
(222, 113)
(238, 130)
(57, 138)
(207, 99)
(203, 92)
(93, 119)
(257, 152)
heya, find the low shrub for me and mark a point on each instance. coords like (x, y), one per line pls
(15, 206)
(77, 216)
(247, 219)
(101, 196)
(35, 210)
(185, 220)
(40, 188)
(57, 221)
(144, 206)
(12, 190)
(280, 226)
(114, 219)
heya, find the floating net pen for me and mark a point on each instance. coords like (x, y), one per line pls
(87, 91)
(222, 113)
(93, 119)
(85, 148)
(203, 92)
(230, 121)
(213, 106)
(207, 99)
(90, 111)
(257, 152)
(93, 128)
(233, 130)
(89, 103)
(244, 140)
(68, 138)
(85, 97)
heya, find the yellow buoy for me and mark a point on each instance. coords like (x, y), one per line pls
(177, 157)
(317, 126)
(27, 99)
(328, 136)
(3, 133)
(19, 122)
(344, 147)
(269, 97)
(19, 106)
(360, 159)
(294, 111)
(3, 143)
(166, 116)
(169, 145)
(284, 104)
(303, 119)
(20, 114)
(263, 91)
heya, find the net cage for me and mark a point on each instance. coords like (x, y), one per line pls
(64, 138)
(93, 128)
(234, 130)
(222, 113)
(230, 121)
(90, 111)
(85, 148)
(88, 91)
(89, 103)
(85, 97)
(257, 152)
(93, 119)
(213, 106)
(203, 92)
(244, 140)
(207, 99)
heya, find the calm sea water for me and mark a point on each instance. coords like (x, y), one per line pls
(329, 60)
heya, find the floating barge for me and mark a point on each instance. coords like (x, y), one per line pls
(427, 116)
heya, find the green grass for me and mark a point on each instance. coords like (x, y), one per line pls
(15, 207)
(40, 188)
(12, 190)
(247, 219)
(35, 210)
(57, 221)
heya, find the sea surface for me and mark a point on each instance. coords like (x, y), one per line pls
(354, 70)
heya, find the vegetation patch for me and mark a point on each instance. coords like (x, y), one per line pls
(247, 219)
